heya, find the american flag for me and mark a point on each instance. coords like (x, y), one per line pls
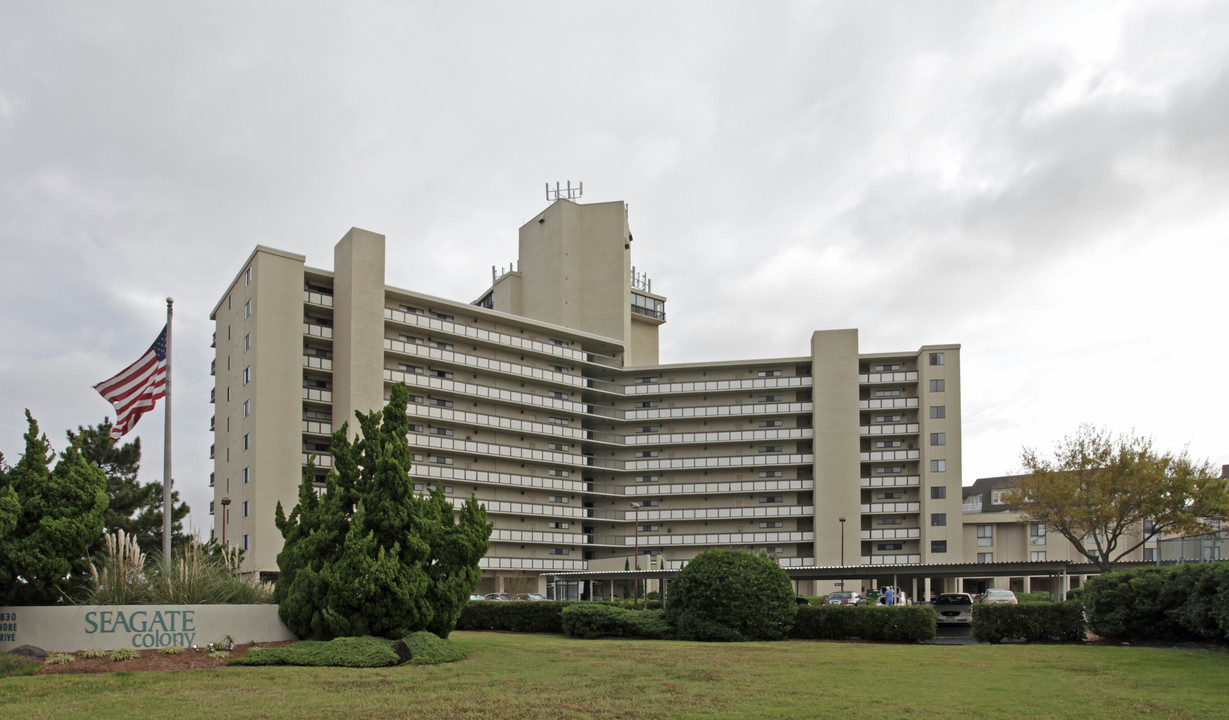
(137, 387)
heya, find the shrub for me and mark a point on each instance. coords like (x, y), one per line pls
(592, 620)
(339, 652)
(903, 624)
(428, 649)
(123, 654)
(171, 650)
(1061, 622)
(56, 658)
(1180, 603)
(532, 617)
(749, 595)
(1034, 597)
(91, 654)
(18, 665)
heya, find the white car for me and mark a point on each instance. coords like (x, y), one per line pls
(954, 609)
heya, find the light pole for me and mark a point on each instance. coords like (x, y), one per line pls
(225, 513)
(842, 519)
(636, 557)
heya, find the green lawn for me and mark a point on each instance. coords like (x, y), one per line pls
(536, 676)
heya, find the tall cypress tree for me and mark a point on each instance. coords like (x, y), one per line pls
(370, 557)
(48, 518)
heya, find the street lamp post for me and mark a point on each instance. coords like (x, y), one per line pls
(636, 557)
(842, 519)
(225, 514)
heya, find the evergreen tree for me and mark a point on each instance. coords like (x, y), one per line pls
(48, 517)
(370, 557)
(134, 508)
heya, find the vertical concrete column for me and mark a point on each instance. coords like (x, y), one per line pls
(358, 326)
(837, 468)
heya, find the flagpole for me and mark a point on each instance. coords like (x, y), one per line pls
(166, 447)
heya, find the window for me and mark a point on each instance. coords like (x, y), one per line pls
(436, 372)
(650, 503)
(985, 535)
(938, 438)
(769, 373)
(1040, 555)
(647, 428)
(937, 385)
(888, 469)
(247, 374)
(771, 499)
(888, 443)
(448, 489)
(441, 316)
(985, 558)
(769, 398)
(247, 475)
(648, 478)
(439, 459)
(247, 309)
(558, 525)
(439, 402)
(647, 453)
(889, 418)
(648, 528)
(889, 546)
(897, 495)
(641, 404)
(247, 408)
(558, 421)
(647, 380)
(773, 524)
(770, 423)
(410, 310)
(559, 369)
(441, 345)
(247, 277)
(416, 428)
(938, 519)
(936, 358)
(770, 473)
(245, 541)
(888, 393)
(1037, 534)
(411, 339)
(891, 521)
(559, 499)
(1149, 554)
(938, 412)
(247, 342)
(442, 431)
(558, 447)
(938, 466)
(555, 472)
(559, 551)
(996, 497)
(938, 492)
(558, 395)
(418, 487)
(246, 441)
(560, 343)
(245, 508)
(887, 368)
(771, 448)
(938, 546)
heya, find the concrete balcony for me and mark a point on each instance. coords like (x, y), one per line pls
(892, 481)
(893, 534)
(888, 377)
(888, 403)
(890, 455)
(891, 429)
(891, 508)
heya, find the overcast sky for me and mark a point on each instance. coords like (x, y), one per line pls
(1044, 183)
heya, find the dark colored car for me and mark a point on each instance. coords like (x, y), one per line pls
(845, 597)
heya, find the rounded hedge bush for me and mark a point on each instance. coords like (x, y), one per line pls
(731, 595)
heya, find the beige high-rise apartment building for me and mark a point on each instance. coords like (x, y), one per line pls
(546, 400)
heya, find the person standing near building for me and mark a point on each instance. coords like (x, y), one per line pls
(889, 596)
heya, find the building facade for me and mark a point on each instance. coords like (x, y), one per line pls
(546, 400)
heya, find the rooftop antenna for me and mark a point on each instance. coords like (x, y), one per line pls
(565, 193)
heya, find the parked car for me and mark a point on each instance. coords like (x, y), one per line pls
(845, 597)
(994, 596)
(476, 596)
(954, 609)
(499, 596)
(533, 597)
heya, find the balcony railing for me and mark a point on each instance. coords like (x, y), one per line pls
(893, 534)
(888, 403)
(893, 507)
(891, 481)
(888, 455)
(891, 429)
(888, 377)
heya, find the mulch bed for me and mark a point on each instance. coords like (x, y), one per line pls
(152, 660)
